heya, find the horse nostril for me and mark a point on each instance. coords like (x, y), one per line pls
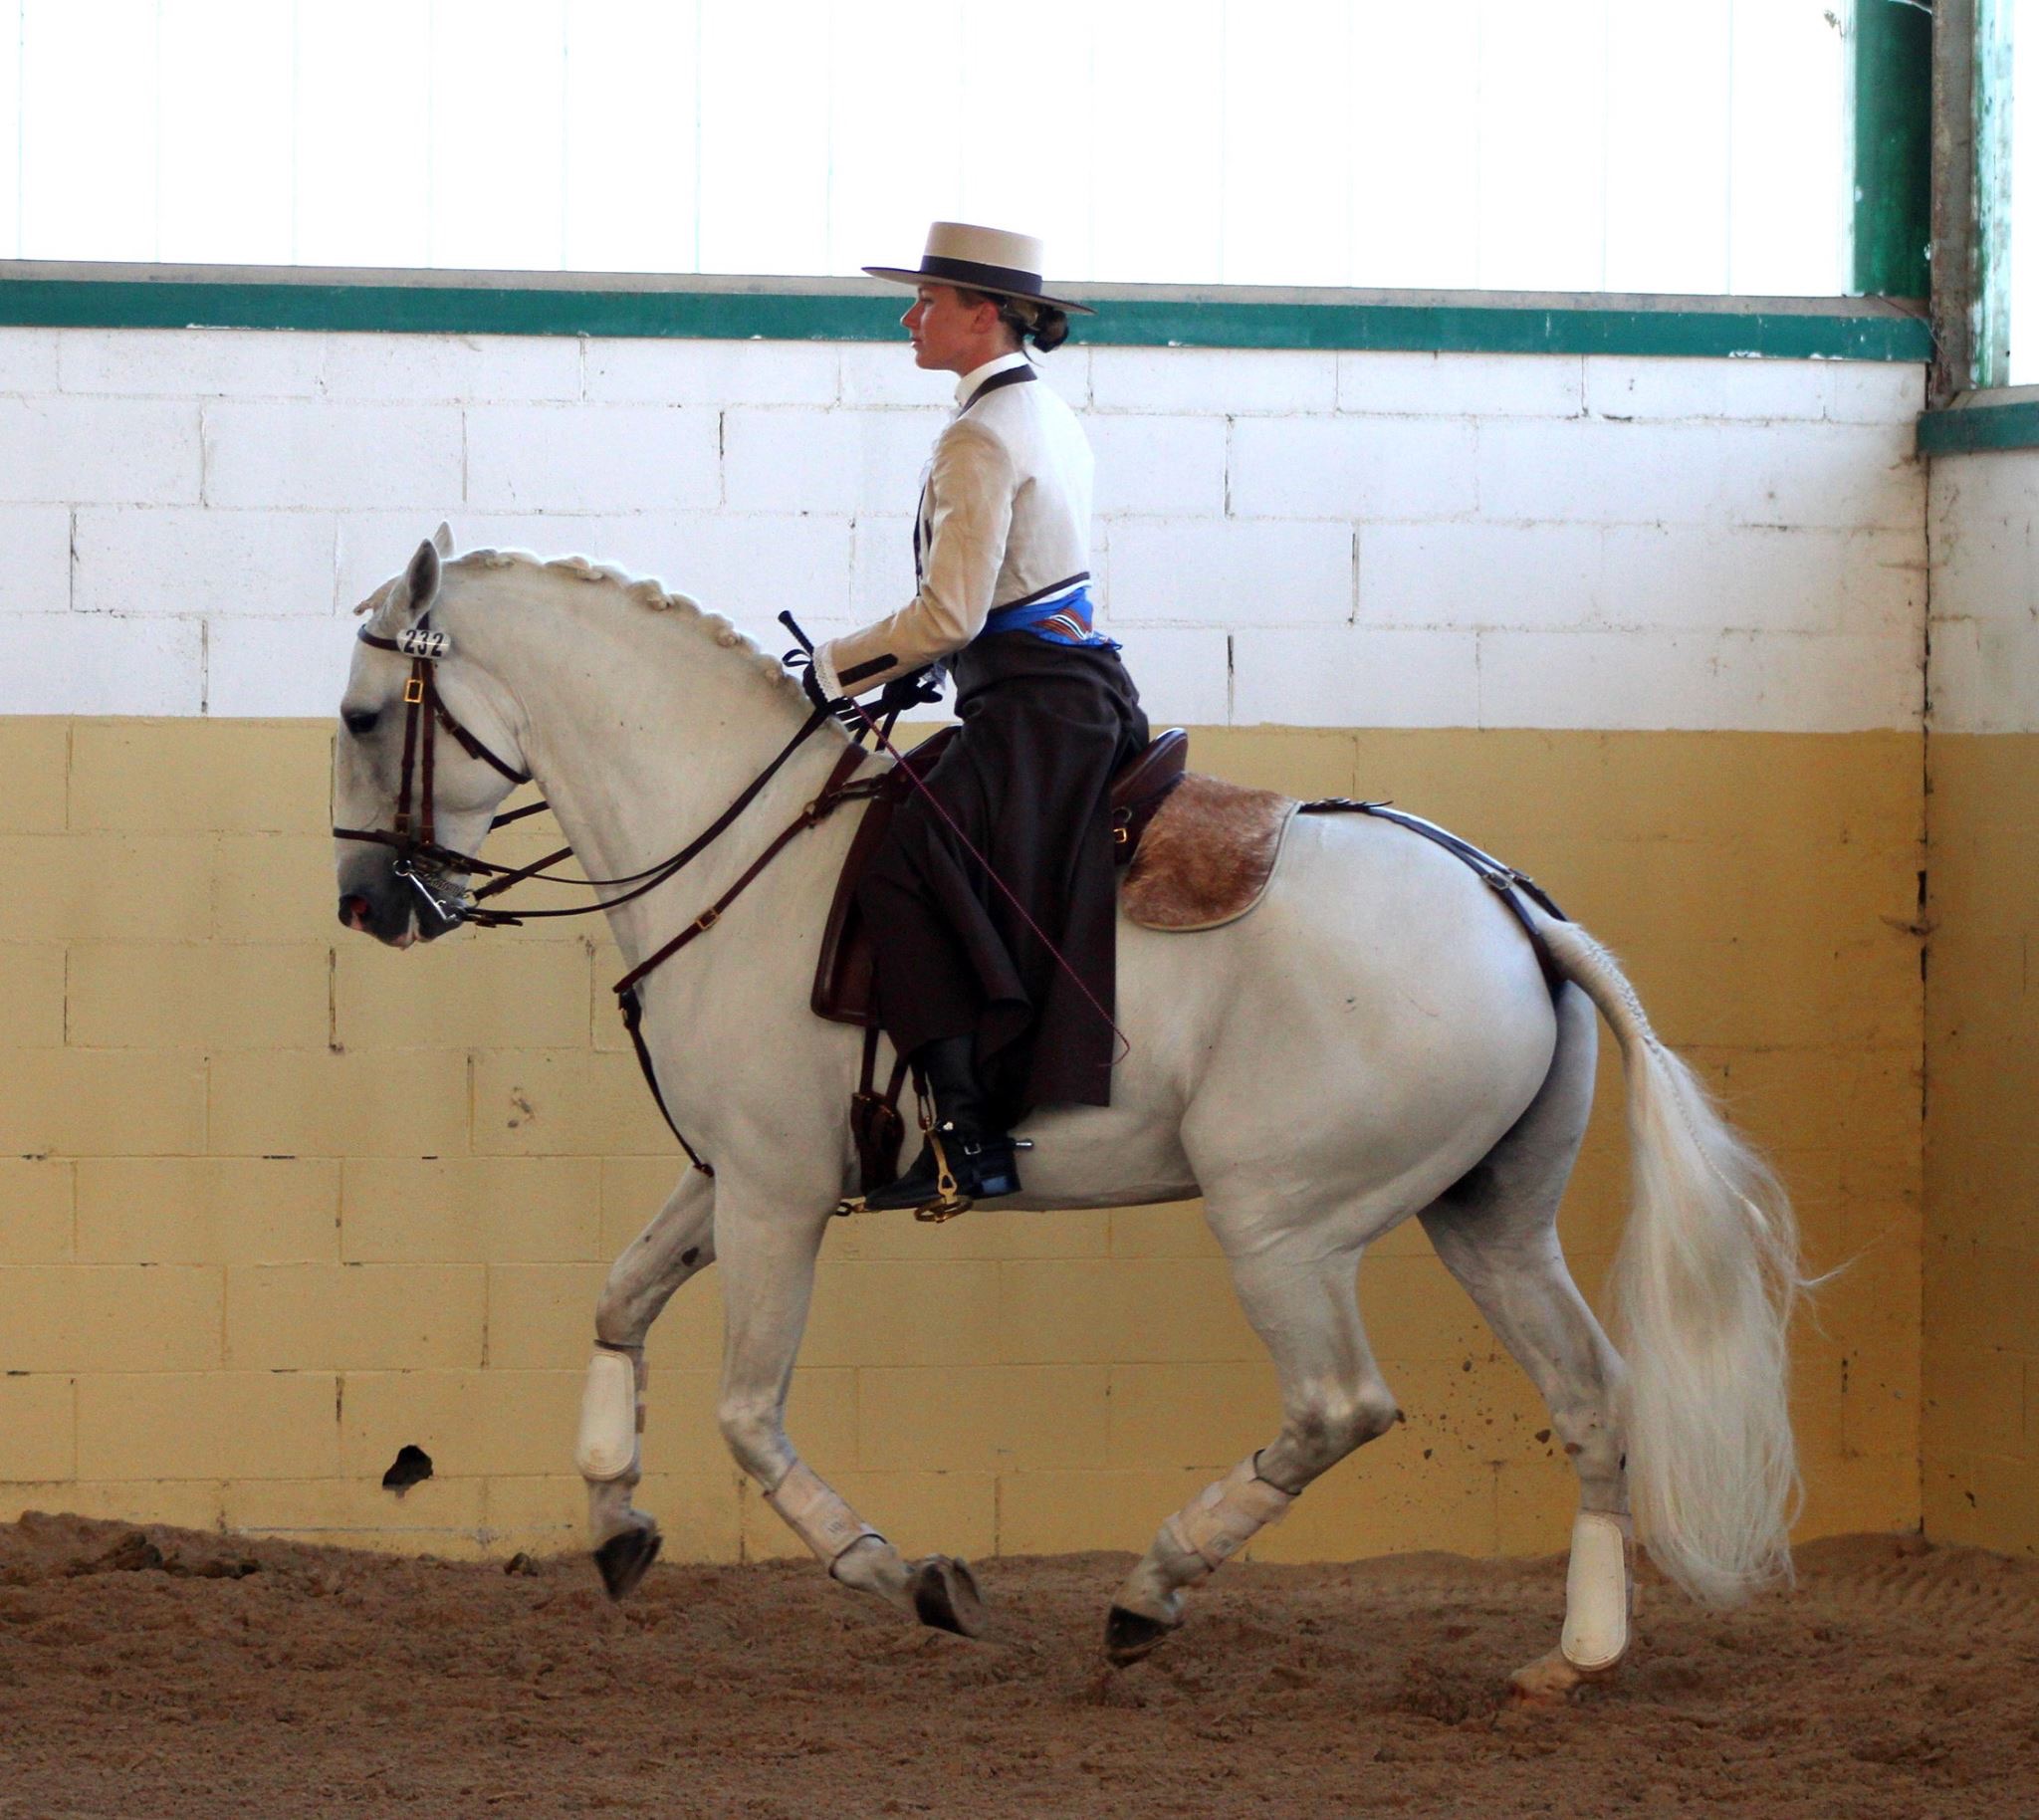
(353, 911)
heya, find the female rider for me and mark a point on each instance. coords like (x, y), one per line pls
(992, 903)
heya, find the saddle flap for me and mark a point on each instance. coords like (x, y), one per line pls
(842, 976)
(1139, 791)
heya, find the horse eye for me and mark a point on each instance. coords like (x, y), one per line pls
(360, 721)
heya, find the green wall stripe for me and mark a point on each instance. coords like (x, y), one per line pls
(1892, 147)
(1499, 328)
(1838, 334)
(1966, 428)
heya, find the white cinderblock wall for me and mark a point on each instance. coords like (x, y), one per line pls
(1986, 592)
(1293, 538)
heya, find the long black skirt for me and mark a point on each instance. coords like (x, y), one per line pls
(1024, 792)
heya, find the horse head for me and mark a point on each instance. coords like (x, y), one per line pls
(409, 802)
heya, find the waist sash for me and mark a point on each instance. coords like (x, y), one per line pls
(1061, 619)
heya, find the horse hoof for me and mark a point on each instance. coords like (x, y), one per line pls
(1128, 1636)
(625, 1558)
(1550, 1680)
(946, 1597)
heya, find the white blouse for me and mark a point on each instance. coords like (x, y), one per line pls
(1005, 515)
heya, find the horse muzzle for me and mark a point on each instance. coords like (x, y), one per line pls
(408, 902)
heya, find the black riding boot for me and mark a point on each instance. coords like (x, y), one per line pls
(965, 1158)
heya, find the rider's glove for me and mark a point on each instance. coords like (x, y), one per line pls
(915, 689)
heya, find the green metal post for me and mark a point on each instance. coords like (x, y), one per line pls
(1892, 147)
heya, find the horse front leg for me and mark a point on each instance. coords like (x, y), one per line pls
(678, 1244)
(767, 1279)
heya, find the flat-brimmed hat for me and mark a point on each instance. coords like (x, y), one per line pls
(980, 259)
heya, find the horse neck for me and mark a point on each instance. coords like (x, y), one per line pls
(642, 728)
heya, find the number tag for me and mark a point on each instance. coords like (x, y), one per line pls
(416, 642)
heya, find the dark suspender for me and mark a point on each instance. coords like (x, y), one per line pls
(1013, 376)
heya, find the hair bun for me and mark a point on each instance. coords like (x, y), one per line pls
(1050, 328)
(1043, 324)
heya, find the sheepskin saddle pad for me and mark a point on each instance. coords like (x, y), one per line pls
(1207, 855)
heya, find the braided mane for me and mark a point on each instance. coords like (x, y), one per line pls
(647, 591)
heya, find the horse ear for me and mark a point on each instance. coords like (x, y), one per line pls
(421, 579)
(442, 539)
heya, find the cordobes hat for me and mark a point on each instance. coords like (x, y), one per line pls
(980, 259)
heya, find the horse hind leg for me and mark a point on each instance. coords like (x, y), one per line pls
(1496, 1232)
(678, 1244)
(1333, 1401)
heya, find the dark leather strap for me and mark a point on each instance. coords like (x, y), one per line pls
(472, 745)
(424, 713)
(414, 692)
(835, 793)
(875, 1126)
(1042, 593)
(1503, 880)
(1013, 376)
(633, 1020)
(639, 882)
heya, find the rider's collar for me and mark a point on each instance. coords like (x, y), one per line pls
(967, 386)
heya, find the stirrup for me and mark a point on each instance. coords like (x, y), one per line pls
(945, 1196)
(947, 1203)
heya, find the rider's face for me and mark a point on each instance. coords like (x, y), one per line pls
(946, 332)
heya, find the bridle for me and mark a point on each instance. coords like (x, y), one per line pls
(419, 853)
(412, 838)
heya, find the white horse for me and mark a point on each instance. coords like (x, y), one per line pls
(1375, 1041)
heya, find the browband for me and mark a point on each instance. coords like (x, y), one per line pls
(423, 646)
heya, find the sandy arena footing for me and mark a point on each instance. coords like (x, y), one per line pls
(160, 1673)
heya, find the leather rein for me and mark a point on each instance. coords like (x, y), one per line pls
(419, 853)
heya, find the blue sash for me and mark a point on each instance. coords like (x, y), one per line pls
(1063, 620)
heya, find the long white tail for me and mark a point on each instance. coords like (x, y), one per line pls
(1704, 1289)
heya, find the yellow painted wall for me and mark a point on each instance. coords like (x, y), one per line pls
(1981, 1454)
(275, 1201)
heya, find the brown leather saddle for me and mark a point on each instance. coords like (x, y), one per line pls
(842, 978)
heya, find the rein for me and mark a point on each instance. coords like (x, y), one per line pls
(425, 713)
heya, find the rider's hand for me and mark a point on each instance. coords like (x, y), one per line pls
(905, 693)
